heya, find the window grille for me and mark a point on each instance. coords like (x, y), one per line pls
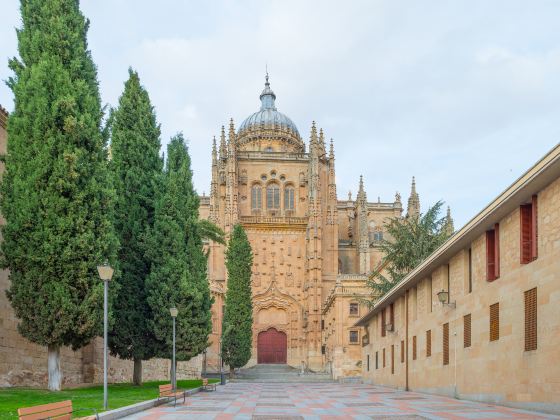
(273, 197)
(467, 330)
(256, 197)
(289, 203)
(495, 322)
(531, 319)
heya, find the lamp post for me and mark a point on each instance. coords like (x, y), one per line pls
(105, 272)
(174, 312)
(222, 377)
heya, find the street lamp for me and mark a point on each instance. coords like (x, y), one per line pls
(443, 298)
(174, 312)
(105, 274)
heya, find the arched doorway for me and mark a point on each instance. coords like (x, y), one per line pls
(272, 346)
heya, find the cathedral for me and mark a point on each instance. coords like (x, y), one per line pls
(312, 251)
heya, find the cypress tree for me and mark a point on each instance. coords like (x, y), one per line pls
(238, 317)
(56, 191)
(136, 168)
(178, 275)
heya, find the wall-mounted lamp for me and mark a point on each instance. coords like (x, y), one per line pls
(443, 298)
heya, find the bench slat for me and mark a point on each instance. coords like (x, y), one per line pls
(54, 414)
(45, 407)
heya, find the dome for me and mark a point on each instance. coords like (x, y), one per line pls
(268, 115)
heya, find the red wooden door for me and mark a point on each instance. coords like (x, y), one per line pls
(272, 346)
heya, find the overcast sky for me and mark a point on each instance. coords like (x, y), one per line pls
(465, 95)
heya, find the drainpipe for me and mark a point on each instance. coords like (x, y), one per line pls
(406, 341)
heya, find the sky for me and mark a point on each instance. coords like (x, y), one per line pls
(464, 95)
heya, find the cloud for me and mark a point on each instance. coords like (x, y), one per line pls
(464, 95)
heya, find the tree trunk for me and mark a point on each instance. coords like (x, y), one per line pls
(231, 372)
(137, 375)
(55, 374)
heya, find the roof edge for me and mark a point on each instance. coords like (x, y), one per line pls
(527, 181)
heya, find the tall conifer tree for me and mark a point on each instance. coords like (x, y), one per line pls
(238, 317)
(178, 276)
(56, 192)
(136, 167)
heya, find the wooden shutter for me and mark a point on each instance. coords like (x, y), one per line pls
(392, 315)
(467, 330)
(470, 270)
(376, 360)
(526, 233)
(414, 348)
(383, 326)
(535, 231)
(531, 319)
(446, 343)
(383, 357)
(495, 322)
(402, 351)
(428, 343)
(392, 359)
(493, 253)
(490, 256)
(497, 250)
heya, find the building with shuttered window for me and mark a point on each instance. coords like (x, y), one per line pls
(493, 334)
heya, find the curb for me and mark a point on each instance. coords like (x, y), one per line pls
(128, 410)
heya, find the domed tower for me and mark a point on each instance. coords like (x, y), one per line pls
(268, 130)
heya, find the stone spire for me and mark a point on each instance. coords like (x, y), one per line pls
(232, 210)
(361, 197)
(313, 141)
(413, 209)
(214, 152)
(223, 146)
(363, 239)
(214, 199)
(231, 139)
(332, 212)
(322, 142)
(222, 158)
(448, 226)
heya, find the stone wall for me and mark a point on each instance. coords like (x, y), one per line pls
(23, 363)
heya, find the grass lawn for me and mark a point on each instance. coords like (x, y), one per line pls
(91, 397)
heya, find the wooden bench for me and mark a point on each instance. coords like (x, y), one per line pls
(207, 386)
(56, 411)
(166, 391)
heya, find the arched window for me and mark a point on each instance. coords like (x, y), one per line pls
(289, 203)
(256, 197)
(273, 197)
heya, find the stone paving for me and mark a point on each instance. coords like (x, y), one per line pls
(319, 401)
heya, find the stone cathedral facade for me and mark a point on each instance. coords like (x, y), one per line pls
(312, 251)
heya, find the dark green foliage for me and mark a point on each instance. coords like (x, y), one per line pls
(411, 241)
(56, 192)
(178, 276)
(136, 168)
(238, 316)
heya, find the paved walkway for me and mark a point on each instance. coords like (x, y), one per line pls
(318, 401)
